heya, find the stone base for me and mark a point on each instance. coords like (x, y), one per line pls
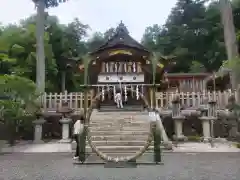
(65, 141)
(168, 145)
(206, 140)
(74, 147)
(120, 165)
(38, 142)
(2, 144)
(180, 138)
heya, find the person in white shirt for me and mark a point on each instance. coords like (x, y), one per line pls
(77, 129)
(118, 100)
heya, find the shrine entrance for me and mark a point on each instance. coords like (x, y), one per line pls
(130, 94)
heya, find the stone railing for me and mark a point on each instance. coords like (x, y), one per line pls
(75, 100)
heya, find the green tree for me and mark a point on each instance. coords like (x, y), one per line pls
(197, 67)
(68, 44)
(18, 104)
(192, 32)
(41, 5)
(20, 43)
(98, 39)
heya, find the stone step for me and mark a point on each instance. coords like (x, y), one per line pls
(120, 110)
(119, 149)
(109, 115)
(122, 113)
(119, 137)
(111, 123)
(146, 126)
(117, 132)
(119, 143)
(122, 116)
(117, 128)
(119, 154)
(106, 108)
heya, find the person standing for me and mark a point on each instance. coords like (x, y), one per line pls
(77, 129)
(118, 100)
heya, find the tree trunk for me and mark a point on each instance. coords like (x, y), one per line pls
(229, 35)
(40, 76)
(63, 81)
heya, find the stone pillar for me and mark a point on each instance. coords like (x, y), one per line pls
(176, 112)
(206, 128)
(178, 119)
(178, 126)
(65, 130)
(213, 116)
(212, 109)
(38, 130)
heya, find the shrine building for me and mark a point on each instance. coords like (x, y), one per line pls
(121, 64)
(124, 64)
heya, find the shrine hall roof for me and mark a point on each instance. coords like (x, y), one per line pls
(121, 37)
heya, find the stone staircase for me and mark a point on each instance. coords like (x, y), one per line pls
(113, 108)
(119, 132)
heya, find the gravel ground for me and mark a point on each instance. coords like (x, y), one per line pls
(177, 166)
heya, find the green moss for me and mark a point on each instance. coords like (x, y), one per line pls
(194, 138)
(237, 145)
(82, 145)
(157, 144)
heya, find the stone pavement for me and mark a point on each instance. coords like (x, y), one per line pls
(66, 147)
(206, 147)
(177, 166)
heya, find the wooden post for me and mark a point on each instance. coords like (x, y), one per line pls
(151, 97)
(154, 96)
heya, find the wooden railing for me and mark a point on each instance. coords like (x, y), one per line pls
(194, 99)
(52, 101)
(163, 99)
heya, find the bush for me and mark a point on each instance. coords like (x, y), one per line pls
(20, 107)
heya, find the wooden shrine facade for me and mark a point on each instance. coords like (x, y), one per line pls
(120, 65)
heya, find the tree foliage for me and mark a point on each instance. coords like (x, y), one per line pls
(192, 33)
(17, 103)
(51, 3)
(192, 37)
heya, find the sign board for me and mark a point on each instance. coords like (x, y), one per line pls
(114, 78)
(112, 53)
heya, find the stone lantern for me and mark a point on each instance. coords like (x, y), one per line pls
(65, 112)
(178, 119)
(38, 123)
(231, 115)
(208, 112)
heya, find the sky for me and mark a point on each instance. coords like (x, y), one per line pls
(100, 15)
